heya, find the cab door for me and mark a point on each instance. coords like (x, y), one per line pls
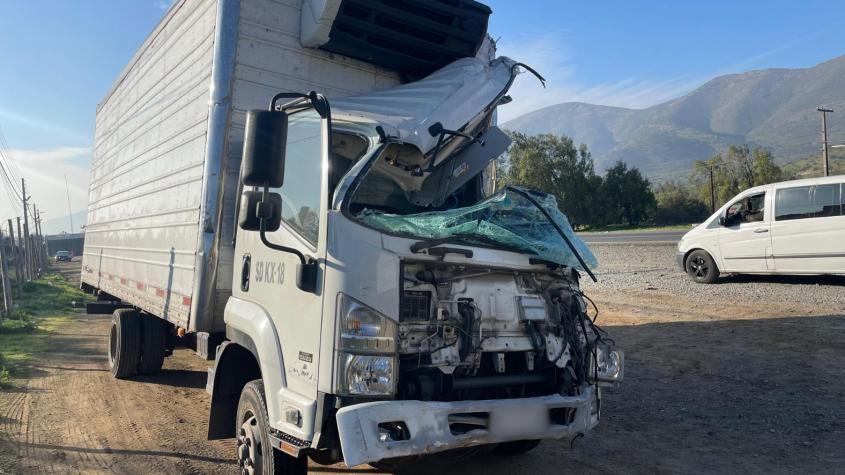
(745, 238)
(268, 277)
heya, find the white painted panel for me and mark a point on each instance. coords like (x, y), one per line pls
(147, 167)
(270, 60)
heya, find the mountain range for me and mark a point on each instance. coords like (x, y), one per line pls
(772, 108)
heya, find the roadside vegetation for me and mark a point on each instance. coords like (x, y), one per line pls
(622, 198)
(46, 305)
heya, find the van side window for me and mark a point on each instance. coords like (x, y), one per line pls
(808, 202)
(826, 201)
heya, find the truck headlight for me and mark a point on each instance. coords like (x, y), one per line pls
(366, 343)
(606, 365)
(366, 375)
(364, 330)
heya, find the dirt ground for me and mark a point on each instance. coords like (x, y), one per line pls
(722, 388)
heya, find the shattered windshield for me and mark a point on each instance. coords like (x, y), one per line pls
(506, 220)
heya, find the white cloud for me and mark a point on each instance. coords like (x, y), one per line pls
(163, 4)
(44, 125)
(44, 171)
(53, 154)
(547, 53)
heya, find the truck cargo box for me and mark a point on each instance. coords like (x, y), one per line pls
(168, 142)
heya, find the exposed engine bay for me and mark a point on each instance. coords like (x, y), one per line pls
(482, 333)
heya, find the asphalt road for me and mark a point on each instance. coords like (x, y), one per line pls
(627, 237)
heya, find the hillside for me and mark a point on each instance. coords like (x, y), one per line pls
(774, 108)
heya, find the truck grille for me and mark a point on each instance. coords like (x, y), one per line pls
(414, 37)
(415, 306)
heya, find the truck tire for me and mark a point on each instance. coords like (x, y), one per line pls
(153, 344)
(516, 447)
(701, 267)
(255, 450)
(124, 343)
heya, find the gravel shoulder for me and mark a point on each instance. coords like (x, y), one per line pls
(744, 385)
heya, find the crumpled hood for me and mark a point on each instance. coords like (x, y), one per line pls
(452, 96)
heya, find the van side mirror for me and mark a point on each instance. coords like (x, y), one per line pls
(722, 221)
(254, 208)
(265, 141)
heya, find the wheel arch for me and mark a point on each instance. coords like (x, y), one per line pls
(250, 327)
(234, 367)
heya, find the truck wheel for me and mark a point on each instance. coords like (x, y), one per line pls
(701, 267)
(255, 451)
(516, 447)
(153, 344)
(124, 343)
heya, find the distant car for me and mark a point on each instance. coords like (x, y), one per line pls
(63, 256)
(792, 227)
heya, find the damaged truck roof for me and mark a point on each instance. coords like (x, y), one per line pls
(452, 96)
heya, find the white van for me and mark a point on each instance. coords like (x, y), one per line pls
(792, 227)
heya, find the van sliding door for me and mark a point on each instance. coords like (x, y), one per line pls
(808, 231)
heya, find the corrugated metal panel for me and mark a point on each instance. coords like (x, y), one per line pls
(147, 167)
(269, 60)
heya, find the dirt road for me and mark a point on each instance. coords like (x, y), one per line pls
(718, 388)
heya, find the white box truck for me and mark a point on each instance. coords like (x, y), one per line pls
(297, 187)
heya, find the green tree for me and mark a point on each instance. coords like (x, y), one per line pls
(627, 195)
(552, 164)
(675, 204)
(740, 168)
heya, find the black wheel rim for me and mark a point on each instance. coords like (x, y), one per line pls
(250, 450)
(699, 268)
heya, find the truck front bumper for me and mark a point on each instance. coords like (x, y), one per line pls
(433, 427)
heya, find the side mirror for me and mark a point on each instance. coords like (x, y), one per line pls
(265, 141)
(722, 221)
(254, 208)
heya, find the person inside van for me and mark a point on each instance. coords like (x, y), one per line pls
(753, 209)
(748, 210)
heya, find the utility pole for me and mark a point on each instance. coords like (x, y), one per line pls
(825, 163)
(16, 258)
(22, 253)
(36, 245)
(712, 192)
(42, 241)
(28, 250)
(69, 212)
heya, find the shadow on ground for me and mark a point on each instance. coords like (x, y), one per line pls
(727, 396)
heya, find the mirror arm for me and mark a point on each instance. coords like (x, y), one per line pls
(306, 271)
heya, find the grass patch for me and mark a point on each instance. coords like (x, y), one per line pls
(620, 227)
(44, 307)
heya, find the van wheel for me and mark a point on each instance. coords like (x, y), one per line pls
(124, 343)
(516, 447)
(701, 267)
(153, 344)
(255, 451)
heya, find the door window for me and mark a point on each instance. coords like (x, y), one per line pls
(794, 203)
(747, 210)
(303, 172)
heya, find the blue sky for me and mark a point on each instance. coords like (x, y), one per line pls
(59, 58)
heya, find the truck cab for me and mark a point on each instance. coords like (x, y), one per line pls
(386, 304)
